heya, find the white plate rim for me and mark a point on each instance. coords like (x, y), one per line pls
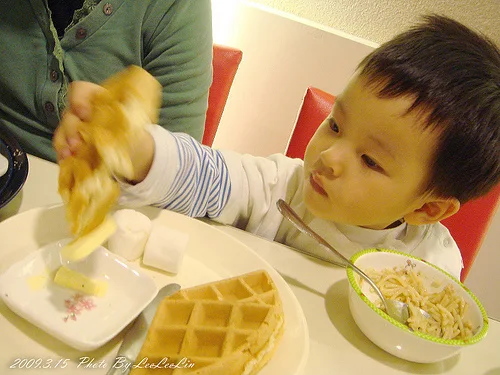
(288, 297)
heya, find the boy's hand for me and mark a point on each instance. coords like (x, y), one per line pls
(102, 137)
(67, 139)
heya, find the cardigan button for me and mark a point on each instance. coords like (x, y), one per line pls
(81, 33)
(49, 107)
(107, 9)
(54, 75)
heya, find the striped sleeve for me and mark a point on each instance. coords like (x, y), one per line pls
(186, 177)
(201, 186)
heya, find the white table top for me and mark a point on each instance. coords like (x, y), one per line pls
(337, 346)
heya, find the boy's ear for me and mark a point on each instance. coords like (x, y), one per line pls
(433, 211)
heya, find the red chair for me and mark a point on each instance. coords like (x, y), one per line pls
(316, 106)
(468, 226)
(225, 64)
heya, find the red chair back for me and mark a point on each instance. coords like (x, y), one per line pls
(224, 64)
(468, 226)
(316, 106)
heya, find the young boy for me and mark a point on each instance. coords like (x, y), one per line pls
(414, 134)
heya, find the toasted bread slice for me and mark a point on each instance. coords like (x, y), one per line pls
(87, 182)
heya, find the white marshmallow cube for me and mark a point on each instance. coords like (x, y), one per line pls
(131, 235)
(165, 248)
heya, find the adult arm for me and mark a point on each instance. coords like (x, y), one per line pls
(178, 53)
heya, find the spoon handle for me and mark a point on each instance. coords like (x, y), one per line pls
(317, 256)
(292, 216)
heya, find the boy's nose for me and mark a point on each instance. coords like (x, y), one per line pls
(333, 160)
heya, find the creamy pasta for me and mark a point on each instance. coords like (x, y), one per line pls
(446, 307)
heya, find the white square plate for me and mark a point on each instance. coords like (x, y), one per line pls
(82, 321)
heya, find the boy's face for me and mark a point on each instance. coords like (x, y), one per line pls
(367, 162)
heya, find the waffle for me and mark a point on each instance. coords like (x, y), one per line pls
(229, 327)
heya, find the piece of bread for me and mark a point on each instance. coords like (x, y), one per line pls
(230, 327)
(87, 182)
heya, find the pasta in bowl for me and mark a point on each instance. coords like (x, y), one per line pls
(457, 317)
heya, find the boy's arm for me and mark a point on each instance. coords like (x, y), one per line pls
(235, 189)
(185, 177)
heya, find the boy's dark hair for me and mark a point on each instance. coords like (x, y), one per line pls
(454, 75)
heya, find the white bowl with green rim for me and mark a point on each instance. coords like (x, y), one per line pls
(394, 337)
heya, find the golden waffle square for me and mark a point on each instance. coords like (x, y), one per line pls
(231, 327)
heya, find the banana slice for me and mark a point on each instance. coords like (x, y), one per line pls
(82, 246)
(68, 278)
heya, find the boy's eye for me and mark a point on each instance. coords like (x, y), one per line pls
(370, 163)
(334, 126)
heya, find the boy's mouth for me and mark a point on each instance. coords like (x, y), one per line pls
(316, 184)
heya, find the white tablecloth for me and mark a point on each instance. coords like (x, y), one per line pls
(336, 344)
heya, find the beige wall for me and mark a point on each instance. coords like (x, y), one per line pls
(379, 20)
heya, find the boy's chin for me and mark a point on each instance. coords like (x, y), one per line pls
(321, 210)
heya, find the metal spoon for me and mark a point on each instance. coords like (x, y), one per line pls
(395, 309)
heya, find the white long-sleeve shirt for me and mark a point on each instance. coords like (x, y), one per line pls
(242, 191)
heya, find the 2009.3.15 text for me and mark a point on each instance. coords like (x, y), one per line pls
(39, 363)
